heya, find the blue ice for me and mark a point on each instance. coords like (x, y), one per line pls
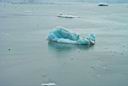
(62, 35)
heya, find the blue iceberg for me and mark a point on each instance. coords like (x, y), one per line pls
(62, 35)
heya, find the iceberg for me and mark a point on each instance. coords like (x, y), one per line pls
(102, 4)
(67, 16)
(62, 35)
(48, 84)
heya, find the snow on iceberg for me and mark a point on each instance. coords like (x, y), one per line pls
(62, 35)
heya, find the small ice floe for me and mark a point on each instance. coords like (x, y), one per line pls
(48, 84)
(27, 11)
(102, 4)
(9, 49)
(62, 35)
(67, 16)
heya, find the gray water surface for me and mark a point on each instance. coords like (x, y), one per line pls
(27, 59)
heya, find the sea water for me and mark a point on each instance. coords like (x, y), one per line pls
(28, 59)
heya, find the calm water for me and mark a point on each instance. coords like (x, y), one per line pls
(31, 60)
(63, 1)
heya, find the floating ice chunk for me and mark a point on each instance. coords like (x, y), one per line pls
(67, 16)
(102, 4)
(48, 84)
(27, 11)
(61, 35)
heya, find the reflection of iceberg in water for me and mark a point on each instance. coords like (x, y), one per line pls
(64, 47)
(64, 50)
(61, 35)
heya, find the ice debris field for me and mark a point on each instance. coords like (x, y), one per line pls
(62, 35)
